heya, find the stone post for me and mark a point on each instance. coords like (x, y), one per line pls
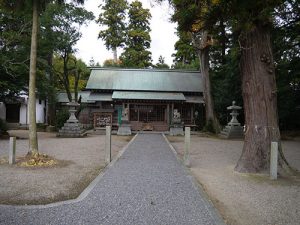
(274, 160)
(12, 150)
(187, 146)
(108, 145)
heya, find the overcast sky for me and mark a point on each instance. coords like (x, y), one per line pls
(163, 35)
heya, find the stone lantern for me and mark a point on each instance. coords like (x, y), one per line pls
(233, 128)
(72, 127)
(234, 114)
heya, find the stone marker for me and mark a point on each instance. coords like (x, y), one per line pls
(274, 160)
(108, 145)
(12, 150)
(187, 146)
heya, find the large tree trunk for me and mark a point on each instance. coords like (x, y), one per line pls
(260, 100)
(33, 142)
(203, 52)
(115, 54)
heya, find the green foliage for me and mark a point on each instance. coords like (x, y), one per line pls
(93, 63)
(113, 17)
(161, 63)
(62, 23)
(138, 38)
(286, 42)
(193, 65)
(226, 86)
(41, 127)
(185, 51)
(14, 52)
(71, 75)
(60, 34)
(61, 117)
(112, 63)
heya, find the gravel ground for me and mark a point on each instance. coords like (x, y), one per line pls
(83, 158)
(147, 185)
(244, 199)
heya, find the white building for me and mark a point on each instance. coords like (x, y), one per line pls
(15, 112)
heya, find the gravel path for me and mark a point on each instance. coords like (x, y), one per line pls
(147, 185)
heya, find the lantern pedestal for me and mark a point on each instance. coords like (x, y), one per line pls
(72, 128)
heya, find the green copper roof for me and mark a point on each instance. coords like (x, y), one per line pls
(167, 96)
(194, 99)
(62, 97)
(145, 80)
(100, 97)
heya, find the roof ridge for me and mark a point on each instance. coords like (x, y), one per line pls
(145, 70)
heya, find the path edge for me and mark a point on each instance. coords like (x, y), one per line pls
(84, 193)
(215, 215)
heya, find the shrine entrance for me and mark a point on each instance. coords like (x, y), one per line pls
(151, 117)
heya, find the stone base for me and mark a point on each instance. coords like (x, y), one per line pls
(71, 130)
(176, 131)
(124, 129)
(232, 132)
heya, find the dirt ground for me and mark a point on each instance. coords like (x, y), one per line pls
(81, 161)
(243, 199)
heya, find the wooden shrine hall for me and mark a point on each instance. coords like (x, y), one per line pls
(149, 97)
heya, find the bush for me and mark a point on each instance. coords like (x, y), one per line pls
(61, 117)
(41, 126)
(3, 127)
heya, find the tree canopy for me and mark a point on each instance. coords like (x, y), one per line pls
(14, 57)
(62, 23)
(138, 40)
(35, 6)
(113, 17)
(161, 63)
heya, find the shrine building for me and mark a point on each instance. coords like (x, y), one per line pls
(149, 96)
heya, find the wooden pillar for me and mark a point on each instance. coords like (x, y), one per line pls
(172, 111)
(168, 114)
(128, 105)
(138, 112)
(192, 114)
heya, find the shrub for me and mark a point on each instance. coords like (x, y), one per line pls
(41, 126)
(61, 117)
